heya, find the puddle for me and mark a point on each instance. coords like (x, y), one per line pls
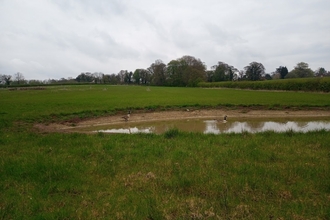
(217, 127)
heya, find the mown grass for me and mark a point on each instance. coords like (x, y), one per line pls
(145, 176)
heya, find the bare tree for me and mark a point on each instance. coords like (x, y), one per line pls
(19, 78)
(98, 77)
(241, 74)
(6, 79)
(122, 74)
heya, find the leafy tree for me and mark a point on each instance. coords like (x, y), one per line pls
(232, 73)
(223, 72)
(283, 71)
(194, 71)
(268, 77)
(209, 75)
(174, 73)
(158, 73)
(137, 76)
(128, 77)
(186, 71)
(112, 79)
(219, 72)
(291, 75)
(302, 70)
(254, 71)
(193, 77)
(85, 77)
(141, 76)
(320, 72)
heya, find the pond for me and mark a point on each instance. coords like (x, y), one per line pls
(210, 126)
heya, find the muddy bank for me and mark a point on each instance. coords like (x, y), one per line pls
(182, 114)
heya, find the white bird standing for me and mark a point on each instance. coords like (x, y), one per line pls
(225, 119)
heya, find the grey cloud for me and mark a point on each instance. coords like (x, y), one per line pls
(61, 38)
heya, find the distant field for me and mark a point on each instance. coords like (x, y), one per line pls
(101, 99)
(175, 175)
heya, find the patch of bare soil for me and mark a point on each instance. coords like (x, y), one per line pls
(183, 114)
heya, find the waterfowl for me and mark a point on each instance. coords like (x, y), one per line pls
(224, 119)
(126, 117)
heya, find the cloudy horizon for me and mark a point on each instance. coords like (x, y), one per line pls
(53, 39)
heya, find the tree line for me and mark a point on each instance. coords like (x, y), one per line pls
(184, 71)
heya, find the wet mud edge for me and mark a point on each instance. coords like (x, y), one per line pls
(177, 115)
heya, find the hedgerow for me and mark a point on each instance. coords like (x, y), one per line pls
(304, 84)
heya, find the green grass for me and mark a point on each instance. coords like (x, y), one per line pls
(90, 101)
(145, 176)
(250, 176)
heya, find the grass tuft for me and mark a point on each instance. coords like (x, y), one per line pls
(171, 133)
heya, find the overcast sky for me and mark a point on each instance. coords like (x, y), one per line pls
(46, 39)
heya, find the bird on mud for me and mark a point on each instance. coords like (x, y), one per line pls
(126, 117)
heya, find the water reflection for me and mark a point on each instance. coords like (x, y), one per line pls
(212, 127)
(128, 130)
(216, 127)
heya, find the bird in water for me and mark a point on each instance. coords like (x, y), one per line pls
(224, 119)
(126, 117)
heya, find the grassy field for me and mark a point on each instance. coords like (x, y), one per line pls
(171, 176)
(97, 100)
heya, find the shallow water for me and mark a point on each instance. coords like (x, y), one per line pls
(209, 126)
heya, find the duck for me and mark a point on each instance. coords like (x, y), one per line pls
(126, 117)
